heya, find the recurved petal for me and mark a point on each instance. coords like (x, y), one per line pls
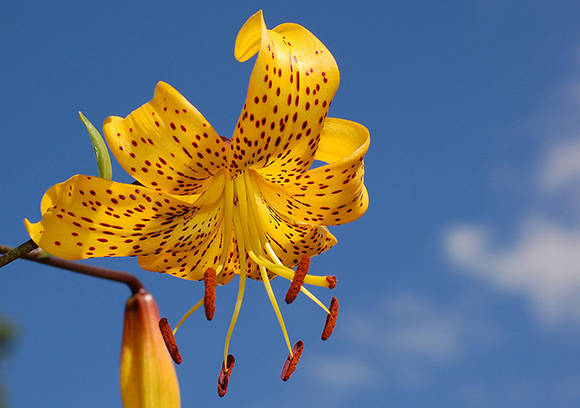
(87, 217)
(167, 144)
(293, 82)
(331, 194)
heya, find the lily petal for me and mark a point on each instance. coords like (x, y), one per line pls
(331, 194)
(293, 82)
(291, 239)
(87, 217)
(167, 144)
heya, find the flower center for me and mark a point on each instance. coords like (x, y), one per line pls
(241, 211)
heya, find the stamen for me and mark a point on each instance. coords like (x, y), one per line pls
(209, 297)
(287, 273)
(255, 238)
(330, 319)
(169, 340)
(314, 298)
(298, 279)
(189, 313)
(331, 281)
(228, 219)
(268, 287)
(292, 360)
(242, 284)
(224, 377)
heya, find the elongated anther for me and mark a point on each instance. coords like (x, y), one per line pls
(224, 376)
(169, 339)
(330, 319)
(298, 279)
(209, 297)
(292, 360)
(331, 281)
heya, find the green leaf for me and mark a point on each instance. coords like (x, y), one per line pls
(101, 151)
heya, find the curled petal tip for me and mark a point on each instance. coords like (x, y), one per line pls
(292, 360)
(209, 278)
(249, 37)
(330, 319)
(169, 339)
(224, 376)
(298, 279)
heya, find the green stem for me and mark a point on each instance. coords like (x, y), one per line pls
(14, 253)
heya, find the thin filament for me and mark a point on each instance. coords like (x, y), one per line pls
(189, 313)
(272, 297)
(242, 253)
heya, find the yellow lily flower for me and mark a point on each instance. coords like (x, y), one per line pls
(254, 205)
(148, 377)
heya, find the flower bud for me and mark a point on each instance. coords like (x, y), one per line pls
(148, 377)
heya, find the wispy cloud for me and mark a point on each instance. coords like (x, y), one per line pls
(543, 260)
(415, 327)
(402, 341)
(543, 264)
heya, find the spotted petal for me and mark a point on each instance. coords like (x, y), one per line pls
(331, 194)
(167, 144)
(291, 239)
(293, 82)
(87, 217)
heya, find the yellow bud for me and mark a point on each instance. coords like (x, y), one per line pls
(148, 377)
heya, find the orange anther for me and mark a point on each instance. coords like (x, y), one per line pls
(292, 360)
(170, 343)
(330, 319)
(298, 279)
(224, 376)
(209, 297)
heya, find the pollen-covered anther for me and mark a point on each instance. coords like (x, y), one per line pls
(331, 281)
(330, 319)
(292, 360)
(169, 339)
(298, 279)
(224, 376)
(209, 297)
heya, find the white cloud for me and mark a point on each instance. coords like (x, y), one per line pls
(543, 264)
(543, 260)
(412, 335)
(400, 343)
(343, 372)
(562, 166)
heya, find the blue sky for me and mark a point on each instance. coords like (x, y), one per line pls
(458, 288)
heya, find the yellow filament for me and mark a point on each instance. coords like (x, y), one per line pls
(256, 241)
(242, 252)
(314, 299)
(285, 272)
(272, 297)
(191, 311)
(270, 251)
(229, 209)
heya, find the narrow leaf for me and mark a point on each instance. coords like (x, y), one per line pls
(100, 148)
